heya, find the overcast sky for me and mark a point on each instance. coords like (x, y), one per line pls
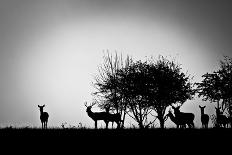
(50, 49)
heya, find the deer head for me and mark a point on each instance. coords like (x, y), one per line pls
(176, 109)
(201, 107)
(41, 107)
(89, 106)
(218, 110)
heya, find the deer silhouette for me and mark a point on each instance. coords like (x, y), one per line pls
(187, 118)
(96, 116)
(179, 122)
(43, 117)
(105, 116)
(204, 117)
(113, 117)
(222, 120)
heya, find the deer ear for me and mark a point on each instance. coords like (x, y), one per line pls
(38, 106)
(44, 105)
(199, 106)
(204, 106)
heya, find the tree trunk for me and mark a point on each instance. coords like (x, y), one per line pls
(123, 120)
(161, 120)
(141, 125)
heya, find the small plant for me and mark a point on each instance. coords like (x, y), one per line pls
(72, 126)
(80, 125)
(63, 125)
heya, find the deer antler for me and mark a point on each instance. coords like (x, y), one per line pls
(86, 104)
(92, 104)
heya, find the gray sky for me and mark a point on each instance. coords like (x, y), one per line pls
(50, 49)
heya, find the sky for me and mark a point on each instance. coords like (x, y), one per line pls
(50, 50)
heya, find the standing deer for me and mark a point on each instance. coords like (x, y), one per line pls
(187, 118)
(222, 120)
(113, 117)
(105, 116)
(43, 117)
(204, 117)
(179, 123)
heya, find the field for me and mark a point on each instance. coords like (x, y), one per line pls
(86, 134)
(92, 140)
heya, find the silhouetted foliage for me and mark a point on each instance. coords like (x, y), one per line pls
(167, 85)
(106, 83)
(153, 85)
(217, 86)
(137, 88)
(134, 90)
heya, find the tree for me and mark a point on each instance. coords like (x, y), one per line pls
(132, 87)
(154, 85)
(167, 85)
(138, 88)
(217, 86)
(106, 84)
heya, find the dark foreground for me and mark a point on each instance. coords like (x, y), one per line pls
(117, 140)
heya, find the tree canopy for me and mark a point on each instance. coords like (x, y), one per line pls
(217, 86)
(137, 88)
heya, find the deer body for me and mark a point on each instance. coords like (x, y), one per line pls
(188, 118)
(96, 116)
(114, 118)
(204, 118)
(179, 123)
(43, 117)
(222, 120)
(105, 116)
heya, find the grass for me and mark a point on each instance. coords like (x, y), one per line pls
(88, 139)
(128, 132)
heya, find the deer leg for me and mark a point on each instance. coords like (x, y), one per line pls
(95, 124)
(106, 124)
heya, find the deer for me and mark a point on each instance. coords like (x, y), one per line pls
(204, 117)
(222, 120)
(105, 116)
(113, 117)
(43, 117)
(179, 123)
(187, 118)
